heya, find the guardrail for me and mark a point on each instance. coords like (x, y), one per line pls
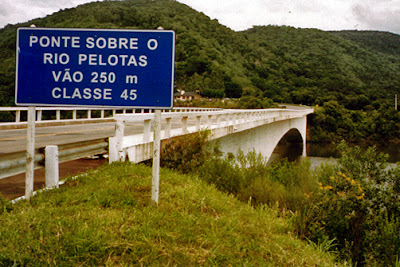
(16, 117)
(138, 147)
(15, 163)
(221, 121)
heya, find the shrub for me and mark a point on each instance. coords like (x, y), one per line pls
(187, 153)
(351, 208)
(250, 178)
(357, 205)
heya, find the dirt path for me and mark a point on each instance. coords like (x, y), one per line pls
(14, 186)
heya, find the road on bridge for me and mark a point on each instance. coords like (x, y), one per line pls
(15, 140)
(12, 141)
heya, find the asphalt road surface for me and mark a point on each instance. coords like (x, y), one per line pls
(15, 140)
(12, 141)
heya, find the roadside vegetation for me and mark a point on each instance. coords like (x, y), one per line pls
(106, 218)
(214, 209)
(350, 209)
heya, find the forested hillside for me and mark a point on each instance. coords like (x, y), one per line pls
(312, 67)
(209, 56)
(352, 76)
(385, 42)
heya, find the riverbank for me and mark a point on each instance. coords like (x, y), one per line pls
(106, 217)
(325, 152)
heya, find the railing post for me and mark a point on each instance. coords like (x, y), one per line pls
(146, 131)
(74, 114)
(51, 166)
(198, 123)
(39, 115)
(89, 114)
(209, 121)
(102, 113)
(18, 116)
(58, 114)
(168, 128)
(184, 125)
(119, 134)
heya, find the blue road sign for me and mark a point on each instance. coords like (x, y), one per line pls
(92, 67)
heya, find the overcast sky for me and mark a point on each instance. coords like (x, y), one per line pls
(382, 15)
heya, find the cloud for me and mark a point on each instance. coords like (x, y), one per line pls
(15, 11)
(7, 10)
(378, 15)
(243, 14)
(383, 15)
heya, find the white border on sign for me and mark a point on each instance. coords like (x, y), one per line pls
(94, 30)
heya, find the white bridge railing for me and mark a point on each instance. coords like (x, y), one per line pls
(138, 148)
(15, 117)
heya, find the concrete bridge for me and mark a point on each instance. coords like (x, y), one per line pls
(129, 132)
(259, 130)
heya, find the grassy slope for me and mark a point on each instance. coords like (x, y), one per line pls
(106, 217)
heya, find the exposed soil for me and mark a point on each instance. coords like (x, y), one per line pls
(14, 186)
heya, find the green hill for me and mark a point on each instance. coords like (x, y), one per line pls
(209, 56)
(116, 224)
(349, 70)
(383, 42)
(283, 63)
(312, 67)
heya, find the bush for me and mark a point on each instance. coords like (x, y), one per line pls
(351, 208)
(250, 178)
(187, 153)
(357, 205)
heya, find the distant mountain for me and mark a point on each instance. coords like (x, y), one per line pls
(284, 64)
(384, 42)
(314, 66)
(209, 56)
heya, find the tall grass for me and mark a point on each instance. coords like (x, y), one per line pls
(351, 208)
(250, 178)
(106, 218)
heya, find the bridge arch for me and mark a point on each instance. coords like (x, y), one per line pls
(290, 146)
(265, 138)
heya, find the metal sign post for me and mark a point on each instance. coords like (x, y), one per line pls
(95, 67)
(30, 152)
(156, 156)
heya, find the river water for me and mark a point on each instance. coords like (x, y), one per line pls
(326, 153)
